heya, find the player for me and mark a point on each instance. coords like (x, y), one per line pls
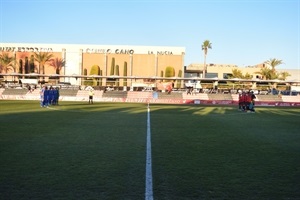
(91, 95)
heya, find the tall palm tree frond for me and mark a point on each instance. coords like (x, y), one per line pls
(267, 74)
(6, 62)
(205, 46)
(273, 62)
(57, 64)
(42, 58)
(283, 75)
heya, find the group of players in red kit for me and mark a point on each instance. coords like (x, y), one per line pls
(247, 101)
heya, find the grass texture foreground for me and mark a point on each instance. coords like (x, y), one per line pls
(98, 151)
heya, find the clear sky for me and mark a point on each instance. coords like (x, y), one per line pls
(242, 32)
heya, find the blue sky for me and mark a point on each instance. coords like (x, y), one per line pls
(242, 32)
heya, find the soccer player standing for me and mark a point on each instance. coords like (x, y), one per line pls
(42, 96)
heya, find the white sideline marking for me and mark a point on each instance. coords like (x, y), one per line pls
(149, 187)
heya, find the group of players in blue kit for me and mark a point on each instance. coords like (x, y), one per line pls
(49, 96)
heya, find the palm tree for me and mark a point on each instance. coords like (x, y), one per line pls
(283, 75)
(236, 73)
(6, 62)
(57, 64)
(205, 46)
(269, 72)
(273, 62)
(265, 73)
(22, 56)
(42, 58)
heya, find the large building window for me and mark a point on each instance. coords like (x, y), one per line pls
(191, 75)
(211, 75)
(227, 75)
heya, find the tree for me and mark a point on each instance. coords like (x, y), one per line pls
(205, 46)
(125, 73)
(100, 80)
(248, 76)
(236, 73)
(21, 66)
(267, 73)
(57, 64)
(26, 65)
(112, 67)
(31, 64)
(95, 70)
(42, 58)
(117, 74)
(21, 63)
(6, 62)
(273, 62)
(179, 81)
(283, 75)
(170, 71)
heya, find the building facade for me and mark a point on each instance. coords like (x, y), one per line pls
(103, 60)
(115, 61)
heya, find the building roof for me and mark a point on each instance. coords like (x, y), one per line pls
(295, 74)
(91, 48)
(227, 68)
(200, 67)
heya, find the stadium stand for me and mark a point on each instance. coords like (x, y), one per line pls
(269, 98)
(1, 91)
(9, 91)
(33, 95)
(68, 92)
(172, 95)
(290, 98)
(142, 95)
(219, 96)
(114, 94)
(72, 94)
(202, 96)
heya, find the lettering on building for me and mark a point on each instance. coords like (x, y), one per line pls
(101, 51)
(109, 51)
(161, 52)
(124, 51)
(25, 49)
(164, 53)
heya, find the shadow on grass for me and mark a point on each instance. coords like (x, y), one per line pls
(82, 151)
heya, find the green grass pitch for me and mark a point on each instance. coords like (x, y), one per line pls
(81, 151)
